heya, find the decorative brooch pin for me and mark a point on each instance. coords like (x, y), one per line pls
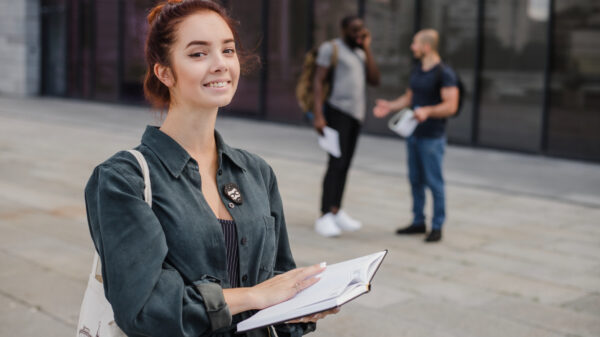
(232, 191)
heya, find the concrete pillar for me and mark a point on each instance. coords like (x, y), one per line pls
(20, 47)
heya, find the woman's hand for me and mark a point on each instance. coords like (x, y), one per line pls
(284, 286)
(315, 317)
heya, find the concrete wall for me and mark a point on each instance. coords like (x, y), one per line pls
(20, 47)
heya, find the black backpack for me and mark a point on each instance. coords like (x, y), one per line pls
(459, 84)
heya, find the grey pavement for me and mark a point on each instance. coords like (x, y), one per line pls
(520, 255)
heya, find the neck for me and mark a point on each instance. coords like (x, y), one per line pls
(430, 60)
(194, 130)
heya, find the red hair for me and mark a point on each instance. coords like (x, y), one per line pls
(163, 20)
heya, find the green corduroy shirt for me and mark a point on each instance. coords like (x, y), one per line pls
(164, 267)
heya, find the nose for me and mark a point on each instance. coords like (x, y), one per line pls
(218, 65)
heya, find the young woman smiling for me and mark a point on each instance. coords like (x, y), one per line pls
(213, 247)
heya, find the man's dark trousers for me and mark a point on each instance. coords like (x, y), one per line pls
(337, 169)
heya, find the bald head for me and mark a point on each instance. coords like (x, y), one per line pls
(429, 37)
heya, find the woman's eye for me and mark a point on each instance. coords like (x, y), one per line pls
(229, 51)
(199, 54)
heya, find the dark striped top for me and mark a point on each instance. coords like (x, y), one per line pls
(230, 233)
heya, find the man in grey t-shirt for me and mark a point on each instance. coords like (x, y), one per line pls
(344, 111)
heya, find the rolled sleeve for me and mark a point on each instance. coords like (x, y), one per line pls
(214, 302)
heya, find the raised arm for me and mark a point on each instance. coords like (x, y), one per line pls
(373, 74)
(384, 107)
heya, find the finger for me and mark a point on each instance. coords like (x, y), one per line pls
(315, 269)
(301, 285)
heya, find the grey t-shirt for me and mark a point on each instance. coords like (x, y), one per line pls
(349, 79)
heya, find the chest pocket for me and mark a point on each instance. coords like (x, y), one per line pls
(269, 249)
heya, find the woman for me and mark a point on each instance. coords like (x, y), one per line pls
(213, 247)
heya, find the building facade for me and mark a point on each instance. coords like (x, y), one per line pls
(531, 68)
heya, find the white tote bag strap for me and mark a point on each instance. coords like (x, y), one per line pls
(147, 196)
(146, 172)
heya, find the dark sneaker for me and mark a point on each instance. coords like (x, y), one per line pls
(412, 229)
(434, 236)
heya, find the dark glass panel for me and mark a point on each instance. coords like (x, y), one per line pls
(456, 21)
(247, 97)
(328, 14)
(514, 57)
(288, 35)
(574, 116)
(54, 18)
(107, 50)
(135, 28)
(391, 23)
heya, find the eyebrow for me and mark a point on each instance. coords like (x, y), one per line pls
(206, 43)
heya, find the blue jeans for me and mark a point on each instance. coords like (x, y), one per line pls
(425, 157)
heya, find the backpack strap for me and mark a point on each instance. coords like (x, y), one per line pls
(334, 55)
(438, 77)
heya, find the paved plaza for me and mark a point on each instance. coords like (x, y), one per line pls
(520, 255)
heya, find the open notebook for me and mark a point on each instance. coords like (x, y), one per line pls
(339, 283)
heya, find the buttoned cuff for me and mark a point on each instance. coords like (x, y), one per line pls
(216, 307)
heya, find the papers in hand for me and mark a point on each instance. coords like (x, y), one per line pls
(404, 122)
(339, 283)
(330, 141)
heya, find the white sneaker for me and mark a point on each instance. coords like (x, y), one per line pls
(345, 222)
(326, 226)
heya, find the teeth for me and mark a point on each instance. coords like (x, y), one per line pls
(217, 84)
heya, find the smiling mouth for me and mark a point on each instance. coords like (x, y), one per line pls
(217, 84)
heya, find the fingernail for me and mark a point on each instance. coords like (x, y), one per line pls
(323, 264)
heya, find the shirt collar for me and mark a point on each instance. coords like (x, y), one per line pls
(229, 152)
(175, 157)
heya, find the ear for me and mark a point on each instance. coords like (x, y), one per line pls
(164, 74)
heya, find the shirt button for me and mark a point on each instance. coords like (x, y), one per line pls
(220, 172)
(231, 205)
(244, 240)
(245, 278)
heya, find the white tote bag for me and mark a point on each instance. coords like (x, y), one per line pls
(96, 317)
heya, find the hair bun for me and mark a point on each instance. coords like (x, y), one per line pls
(154, 13)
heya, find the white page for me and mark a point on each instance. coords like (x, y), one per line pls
(334, 280)
(404, 123)
(330, 141)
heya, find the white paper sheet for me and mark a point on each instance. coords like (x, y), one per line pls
(330, 141)
(403, 123)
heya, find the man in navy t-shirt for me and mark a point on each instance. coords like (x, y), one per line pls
(433, 95)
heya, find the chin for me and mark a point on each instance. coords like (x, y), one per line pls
(224, 102)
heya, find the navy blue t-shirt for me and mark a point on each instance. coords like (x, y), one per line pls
(426, 92)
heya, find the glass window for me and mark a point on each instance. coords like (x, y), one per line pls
(456, 21)
(106, 49)
(54, 17)
(328, 15)
(248, 13)
(574, 115)
(135, 28)
(391, 23)
(288, 35)
(512, 80)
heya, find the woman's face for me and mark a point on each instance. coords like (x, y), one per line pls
(204, 62)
